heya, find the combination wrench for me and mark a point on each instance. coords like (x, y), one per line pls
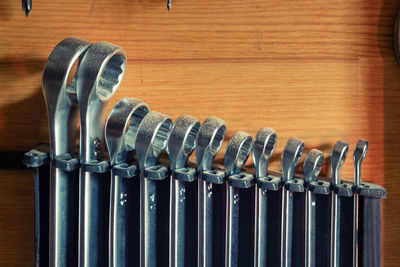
(151, 140)
(210, 182)
(181, 143)
(62, 109)
(237, 152)
(120, 134)
(98, 77)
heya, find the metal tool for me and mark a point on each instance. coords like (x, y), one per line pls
(236, 155)
(311, 168)
(62, 109)
(290, 158)
(151, 140)
(99, 75)
(181, 143)
(26, 6)
(120, 134)
(338, 157)
(210, 182)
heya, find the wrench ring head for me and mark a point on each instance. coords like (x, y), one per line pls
(360, 151)
(237, 152)
(263, 148)
(312, 165)
(181, 140)
(291, 157)
(209, 141)
(338, 156)
(151, 138)
(122, 126)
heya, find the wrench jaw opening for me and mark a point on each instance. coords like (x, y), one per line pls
(181, 143)
(151, 140)
(210, 182)
(237, 152)
(98, 77)
(263, 148)
(120, 134)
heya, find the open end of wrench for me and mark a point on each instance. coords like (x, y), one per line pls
(338, 156)
(312, 165)
(237, 152)
(291, 157)
(263, 148)
(358, 156)
(111, 76)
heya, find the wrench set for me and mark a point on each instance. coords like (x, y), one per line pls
(138, 206)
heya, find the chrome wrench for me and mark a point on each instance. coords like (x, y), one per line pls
(151, 140)
(180, 146)
(99, 75)
(62, 109)
(290, 159)
(120, 134)
(236, 155)
(263, 148)
(208, 143)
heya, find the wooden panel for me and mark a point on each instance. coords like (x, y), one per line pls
(318, 70)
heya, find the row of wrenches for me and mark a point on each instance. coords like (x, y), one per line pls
(128, 209)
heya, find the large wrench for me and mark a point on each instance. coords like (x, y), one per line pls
(99, 75)
(208, 143)
(62, 108)
(121, 129)
(180, 146)
(151, 140)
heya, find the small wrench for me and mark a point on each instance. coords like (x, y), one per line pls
(290, 159)
(263, 148)
(311, 168)
(208, 143)
(99, 75)
(236, 155)
(151, 140)
(180, 146)
(120, 133)
(62, 109)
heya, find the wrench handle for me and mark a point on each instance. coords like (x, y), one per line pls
(205, 223)
(260, 234)
(286, 228)
(232, 226)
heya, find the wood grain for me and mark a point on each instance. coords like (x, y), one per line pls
(319, 70)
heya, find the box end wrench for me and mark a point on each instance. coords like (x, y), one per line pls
(237, 152)
(181, 142)
(62, 109)
(290, 159)
(98, 77)
(120, 134)
(263, 148)
(151, 140)
(311, 168)
(209, 141)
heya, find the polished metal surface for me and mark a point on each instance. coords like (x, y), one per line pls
(151, 140)
(180, 146)
(338, 156)
(208, 143)
(311, 168)
(98, 77)
(263, 148)
(358, 156)
(237, 152)
(120, 135)
(62, 109)
(290, 159)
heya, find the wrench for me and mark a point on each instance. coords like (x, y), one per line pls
(151, 140)
(290, 158)
(62, 109)
(120, 134)
(311, 168)
(208, 143)
(180, 146)
(236, 155)
(99, 75)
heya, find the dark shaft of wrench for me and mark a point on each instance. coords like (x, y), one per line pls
(205, 210)
(232, 226)
(260, 237)
(177, 222)
(286, 231)
(335, 230)
(310, 224)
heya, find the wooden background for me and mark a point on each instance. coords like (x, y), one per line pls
(321, 70)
